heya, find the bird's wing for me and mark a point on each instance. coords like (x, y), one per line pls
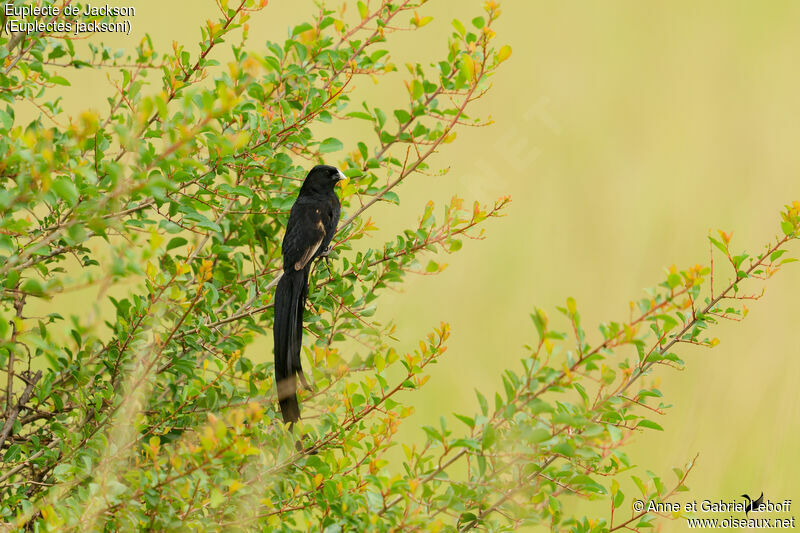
(309, 252)
(304, 235)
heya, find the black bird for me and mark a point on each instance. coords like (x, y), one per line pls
(752, 505)
(312, 224)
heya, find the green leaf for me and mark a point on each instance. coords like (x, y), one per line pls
(32, 286)
(504, 53)
(586, 483)
(362, 149)
(466, 443)
(362, 9)
(361, 115)
(13, 453)
(467, 420)
(417, 90)
(176, 242)
(301, 28)
(539, 435)
(640, 484)
(718, 244)
(644, 423)
(483, 403)
(6, 244)
(76, 233)
(7, 118)
(329, 145)
(564, 448)
(65, 189)
(614, 432)
(203, 222)
(578, 387)
(489, 437)
(217, 497)
(402, 116)
(774, 256)
(381, 117)
(619, 497)
(572, 306)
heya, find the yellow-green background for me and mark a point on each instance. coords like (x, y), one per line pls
(624, 131)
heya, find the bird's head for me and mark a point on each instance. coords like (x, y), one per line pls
(322, 179)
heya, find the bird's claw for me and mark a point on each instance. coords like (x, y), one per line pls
(310, 450)
(325, 254)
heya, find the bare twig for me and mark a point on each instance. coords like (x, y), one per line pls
(14, 412)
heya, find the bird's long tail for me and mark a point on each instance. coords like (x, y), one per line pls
(290, 296)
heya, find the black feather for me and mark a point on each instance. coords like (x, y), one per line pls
(312, 224)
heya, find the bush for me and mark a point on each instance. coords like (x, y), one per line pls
(172, 203)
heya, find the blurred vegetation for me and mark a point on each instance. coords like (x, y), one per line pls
(171, 203)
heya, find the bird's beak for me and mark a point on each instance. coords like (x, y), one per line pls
(340, 178)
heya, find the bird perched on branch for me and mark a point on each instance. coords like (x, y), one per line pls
(312, 224)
